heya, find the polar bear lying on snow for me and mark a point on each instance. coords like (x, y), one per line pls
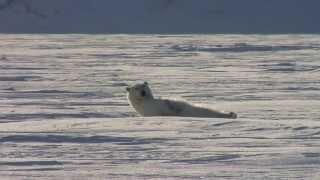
(142, 100)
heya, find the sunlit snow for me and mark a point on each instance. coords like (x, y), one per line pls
(64, 113)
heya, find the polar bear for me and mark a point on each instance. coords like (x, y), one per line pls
(141, 99)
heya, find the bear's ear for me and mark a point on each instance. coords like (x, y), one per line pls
(128, 89)
(145, 83)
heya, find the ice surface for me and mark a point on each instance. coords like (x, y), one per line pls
(64, 113)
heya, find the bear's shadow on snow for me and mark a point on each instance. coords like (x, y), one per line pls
(80, 139)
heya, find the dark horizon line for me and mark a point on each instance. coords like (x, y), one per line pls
(173, 33)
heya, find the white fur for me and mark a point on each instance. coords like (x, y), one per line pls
(142, 100)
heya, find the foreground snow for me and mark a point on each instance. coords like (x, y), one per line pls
(64, 114)
(160, 148)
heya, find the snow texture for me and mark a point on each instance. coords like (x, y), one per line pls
(64, 113)
(159, 16)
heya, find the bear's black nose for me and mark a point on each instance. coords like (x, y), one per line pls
(143, 93)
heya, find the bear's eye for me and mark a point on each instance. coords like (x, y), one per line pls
(143, 93)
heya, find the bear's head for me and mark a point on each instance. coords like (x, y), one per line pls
(139, 91)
